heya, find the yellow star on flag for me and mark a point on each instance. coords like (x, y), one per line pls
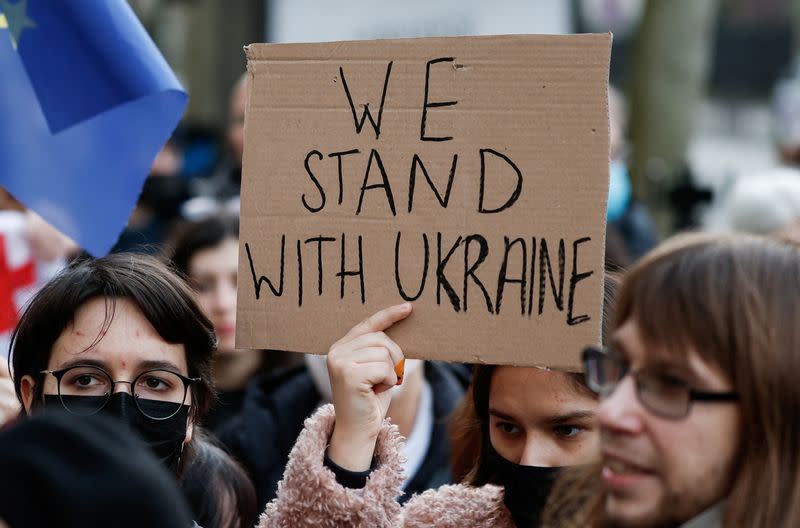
(13, 17)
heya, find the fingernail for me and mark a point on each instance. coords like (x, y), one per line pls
(400, 369)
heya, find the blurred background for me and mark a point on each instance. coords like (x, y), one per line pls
(705, 100)
(708, 90)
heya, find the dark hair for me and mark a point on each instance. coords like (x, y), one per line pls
(197, 236)
(218, 490)
(163, 298)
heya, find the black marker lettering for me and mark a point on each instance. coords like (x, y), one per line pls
(469, 268)
(339, 156)
(517, 190)
(376, 125)
(544, 263)
(441, 280)
(574, 279)
(532, 282)
(319, 240)
(400, 289)
(257, 281)
(385, 185)
(359, 273)
(299, 276)
(316, 184)
(443, 201)
(502, 277)
(437, 104)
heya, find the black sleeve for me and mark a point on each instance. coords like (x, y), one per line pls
(349, 479)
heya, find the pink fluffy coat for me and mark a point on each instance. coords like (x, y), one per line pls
(309, 495)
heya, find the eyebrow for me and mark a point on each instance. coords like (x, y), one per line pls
(88, 362)
(575, 416)
(558, 419)
(501, 415)
(158, 364)
(142, 366)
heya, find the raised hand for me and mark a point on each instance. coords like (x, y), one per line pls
(363, 366)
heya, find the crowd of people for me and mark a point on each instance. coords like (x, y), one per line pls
(128, 403)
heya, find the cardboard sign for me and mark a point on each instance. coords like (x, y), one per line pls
(468, 175)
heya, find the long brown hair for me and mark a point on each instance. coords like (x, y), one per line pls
(734, 299)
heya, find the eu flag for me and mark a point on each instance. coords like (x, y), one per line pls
(86, 102)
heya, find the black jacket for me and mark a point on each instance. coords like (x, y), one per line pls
(275, 407)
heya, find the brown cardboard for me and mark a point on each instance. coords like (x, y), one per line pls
(537, 101)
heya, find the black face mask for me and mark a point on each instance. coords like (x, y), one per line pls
(164, 437)
(526, 487)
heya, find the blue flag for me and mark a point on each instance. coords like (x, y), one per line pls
(86, 102)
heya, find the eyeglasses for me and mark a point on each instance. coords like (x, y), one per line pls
(660, 393)
(85, 389)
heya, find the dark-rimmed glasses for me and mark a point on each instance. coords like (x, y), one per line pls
(85, 389)
(660, 393)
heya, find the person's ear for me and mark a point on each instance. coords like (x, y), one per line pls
(27, 388)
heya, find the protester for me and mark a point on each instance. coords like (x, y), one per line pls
(207, 253)
(218, 490)
(346, 469)
(72, 472)
(120, 335)
(699, 404)
(524, 438)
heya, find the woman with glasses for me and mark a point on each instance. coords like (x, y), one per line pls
(119, 335)
(700, 408)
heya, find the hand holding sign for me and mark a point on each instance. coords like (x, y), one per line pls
(361, 366)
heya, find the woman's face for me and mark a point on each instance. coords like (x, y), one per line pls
(214, 273)
(129, 346)
(540, 418)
